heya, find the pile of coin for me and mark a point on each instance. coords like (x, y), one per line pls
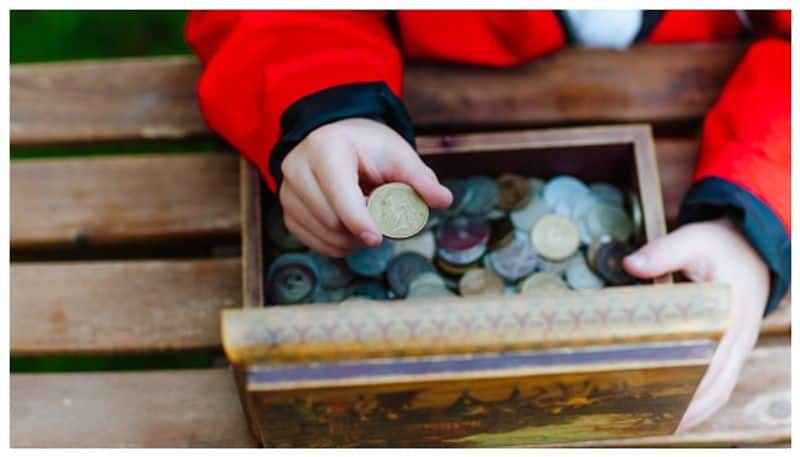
(510, 234)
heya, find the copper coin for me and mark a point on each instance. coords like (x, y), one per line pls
(607, 262)
(462, 232)
(515, 191)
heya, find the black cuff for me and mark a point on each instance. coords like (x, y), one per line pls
(711, 198)
(370, 100)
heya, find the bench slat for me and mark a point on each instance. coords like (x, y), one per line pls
(120, 307)
(143, 306)
(149, 98)
(109, 200)
(200, 408)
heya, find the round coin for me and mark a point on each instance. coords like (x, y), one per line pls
(605, 219)
(462, 257)
(608, 263)
(484, 198)
(292, 278)
(278, 233)
(452, 269)
(560, 192)
(462, 193)
(335, 273)
(423, 243)
(398, 210)
(371, 261)
(515, 191)
(542, 281)
(607, 193)
(557, 267)
(525, 218)
(636, 215)
(554, 237)
(370, 289)
(480, 281)
(461, 232)
(403, 269)
(536, 185)
(514, 261)
(502, 232)
(580, 277)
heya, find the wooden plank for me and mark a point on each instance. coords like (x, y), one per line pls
(200, 408)
(113, 307)
(147, 98)
(184, 408)
(98, 201)
(105, 100)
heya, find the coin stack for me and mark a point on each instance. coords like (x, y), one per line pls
(510, 234)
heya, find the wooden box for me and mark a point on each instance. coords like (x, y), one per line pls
(488, 371)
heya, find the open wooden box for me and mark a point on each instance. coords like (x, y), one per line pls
(486, 371)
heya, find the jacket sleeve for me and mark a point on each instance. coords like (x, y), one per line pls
(271, 77)
(745, 156)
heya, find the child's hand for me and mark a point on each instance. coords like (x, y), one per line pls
(713, 251)
(323, 204)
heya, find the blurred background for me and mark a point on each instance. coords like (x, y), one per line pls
(40, 36)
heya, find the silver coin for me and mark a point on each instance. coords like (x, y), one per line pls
(557, 267)
(484, 196)
(582, 205)
(335, 273)
(371, 261)
(580, 277)
(514, 261)
(424, 243)
(560, 192)
(539, 282)
(527, 217)
(607, 193)
(604, 219)
(462, 257)
(555, 237)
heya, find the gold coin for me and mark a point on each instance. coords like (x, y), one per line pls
(480, 281)
(555, 237)
(515, 191)
(542, 281)
(398, 210)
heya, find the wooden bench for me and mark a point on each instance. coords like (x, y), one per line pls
(138, 253)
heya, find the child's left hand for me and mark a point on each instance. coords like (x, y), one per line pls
(713, 251)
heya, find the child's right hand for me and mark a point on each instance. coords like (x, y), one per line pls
(323, 203)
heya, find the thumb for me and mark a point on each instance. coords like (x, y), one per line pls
(679, 250)
(407, 167)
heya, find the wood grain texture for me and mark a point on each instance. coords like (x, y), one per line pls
(155, 97)
(113, 307)
(100, 201)
(105, 100)
(200, 408)
(183, 408)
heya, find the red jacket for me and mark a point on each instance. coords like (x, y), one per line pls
(271, 77)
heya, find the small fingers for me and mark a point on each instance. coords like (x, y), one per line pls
(312, 241)
(303, 217)
(679, 250)
(410, 169)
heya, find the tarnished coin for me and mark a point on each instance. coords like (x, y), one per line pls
(370, 289)
(452, 269)
(557, 267)
(428, 285)
(335, 273)
(502, 232)
(560, 192)
(462, 194)
(554, 237)
(608, 263)
(580, 277)
(461, 232)
(536, 185)
(462, 257)
(371, 261)
(607, 193)
(484, 196)
(398, 210)
(515, 191)
(339, 294)
(539, 282)
(514, 261)
(480, 281)
(422, 243)
(292, 278)
(278, 233)
(636, 215)
(430, 278)
(526, 217)
(591, 249)
(582, 205)
(403, 269)
(604, 219)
